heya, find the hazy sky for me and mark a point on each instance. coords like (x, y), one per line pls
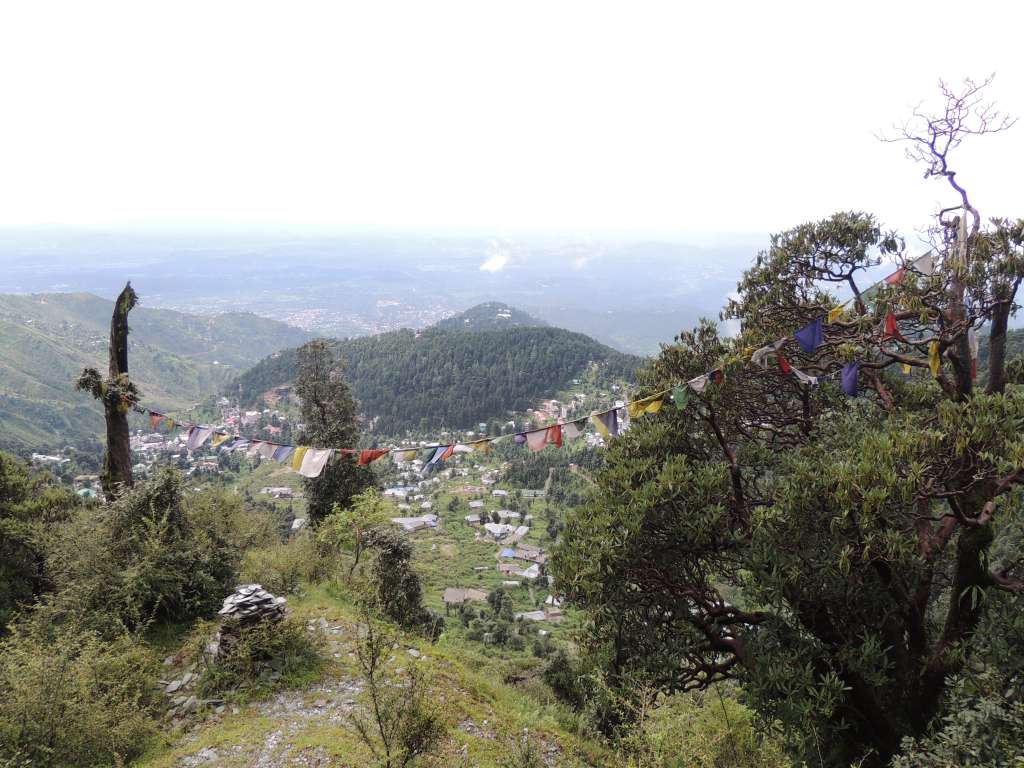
(569, 117)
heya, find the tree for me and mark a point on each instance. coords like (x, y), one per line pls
(834, 556)
(118, 394)
(329, 421)
(30, 506)
(399, 590)
(348, 528)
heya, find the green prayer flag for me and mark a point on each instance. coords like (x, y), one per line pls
(680, 396)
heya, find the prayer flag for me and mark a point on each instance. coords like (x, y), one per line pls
(760, 356)
(555, 435)
(680, 396)
(298, 456)
(283, 452)
(314, 461)
(804, 378)
(266, 450)
(170, 423)
(896, 277)
(836, 313)
(369, 456)
(197, 436)
(537, 439)
(784, 365)
(698, 384)
(906, 369)
(154, 420)
(441, 453)
(810, 336)
(607, 423)
(934, 358)
(573, 429)
(481, 446)
(848, 378)
(218, 439)
(924, 264)
(892, 330)
(406, 455)
(520, 438)
(650, 404)
(463, 448)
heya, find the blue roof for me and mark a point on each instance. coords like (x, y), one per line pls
(508, 553)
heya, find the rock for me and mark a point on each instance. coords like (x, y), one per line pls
(414, 653)
(322, 623)
(191, 704)
(169, 661)
(173, 686)
(220, 710)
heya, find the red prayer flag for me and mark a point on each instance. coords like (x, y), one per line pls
(892, 331)
(896, 277)
(368, 457)
(154, 420)
(784, 365)
(555, 435)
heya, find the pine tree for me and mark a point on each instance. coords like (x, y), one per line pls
(329, 421)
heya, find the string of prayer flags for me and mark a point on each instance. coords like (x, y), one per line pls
(650, 404)
(680, 396)
(848, 378)
(314, 461)
(811, 335)
(369, 456)
(607, 423)
(573, 429)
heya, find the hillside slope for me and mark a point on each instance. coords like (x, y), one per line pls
(175, 358)
(451, 379)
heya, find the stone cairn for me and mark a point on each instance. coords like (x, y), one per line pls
(248, 605)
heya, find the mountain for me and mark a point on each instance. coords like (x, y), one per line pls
(490, 316)
(442, 378)
(175, 358)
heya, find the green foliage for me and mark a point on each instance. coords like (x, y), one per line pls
(401, 723)
(329, 419)
(836, 557)
(405, 381)
(265, 656)
(154, 554)
(346, 529)
(284, 567)
(76, 699)
(30, 507)
(398, 589)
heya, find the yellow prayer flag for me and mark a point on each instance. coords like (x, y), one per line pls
(218, 438)
(835, 313)
(906, 369)
(300, 453)
(481, 446)
(934, 358)
(650, 404)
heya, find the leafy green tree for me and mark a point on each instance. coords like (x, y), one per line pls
(399, 591)
(835, 556)
(329, 421)
(30, 506)
(346, 529)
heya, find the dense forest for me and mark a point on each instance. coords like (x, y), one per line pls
(450, 379)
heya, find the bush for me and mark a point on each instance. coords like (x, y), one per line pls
(266, 656)
(282, 568)
(153, 554)
(75, 699)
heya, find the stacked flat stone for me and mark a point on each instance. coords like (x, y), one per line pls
(248, 605)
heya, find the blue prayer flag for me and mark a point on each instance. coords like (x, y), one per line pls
(810, 336)
(848, 377)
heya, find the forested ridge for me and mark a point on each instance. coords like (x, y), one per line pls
(439, 378)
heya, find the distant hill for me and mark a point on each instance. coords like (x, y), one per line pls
(443, 378)
(175, 358)
(490, 316)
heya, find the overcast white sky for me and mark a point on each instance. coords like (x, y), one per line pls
(566, 117)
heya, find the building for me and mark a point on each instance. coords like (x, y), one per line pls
(413, 524)
(458, 596)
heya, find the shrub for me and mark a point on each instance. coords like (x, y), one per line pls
(151, 555)
(269, 655)
(75, 699)
(282, 568)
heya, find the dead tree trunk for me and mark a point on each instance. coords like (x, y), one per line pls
(118, 395)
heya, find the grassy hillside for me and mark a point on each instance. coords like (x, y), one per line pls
(451, 379)
(175, 358)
